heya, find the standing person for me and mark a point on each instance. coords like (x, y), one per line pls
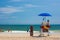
(42, 28)
(48, 26)
(31, 30)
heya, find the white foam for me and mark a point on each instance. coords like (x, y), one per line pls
(51, 31)
(37, 32)
(16, 31)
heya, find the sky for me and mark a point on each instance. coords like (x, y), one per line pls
(26, 11)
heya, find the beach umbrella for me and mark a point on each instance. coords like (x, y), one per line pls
(44, 15)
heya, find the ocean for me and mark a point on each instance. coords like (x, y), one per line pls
(26, 27)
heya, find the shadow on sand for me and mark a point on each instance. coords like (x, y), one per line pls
(39, 36)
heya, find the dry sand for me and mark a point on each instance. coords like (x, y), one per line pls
(26, 36)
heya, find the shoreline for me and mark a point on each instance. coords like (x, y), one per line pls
(36, 32)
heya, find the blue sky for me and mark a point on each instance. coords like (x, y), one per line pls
(26, 11)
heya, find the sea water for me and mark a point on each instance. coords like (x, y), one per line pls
(27, 27)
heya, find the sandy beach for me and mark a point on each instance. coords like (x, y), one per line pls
(26, 36)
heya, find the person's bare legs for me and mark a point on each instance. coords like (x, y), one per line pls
(41, 34)
(48, 32)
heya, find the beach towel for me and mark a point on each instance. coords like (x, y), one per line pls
(45, 27)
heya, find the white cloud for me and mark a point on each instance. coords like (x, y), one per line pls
(10, 9)
(31, 5)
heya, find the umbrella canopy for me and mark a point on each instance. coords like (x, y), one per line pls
(44, 14)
